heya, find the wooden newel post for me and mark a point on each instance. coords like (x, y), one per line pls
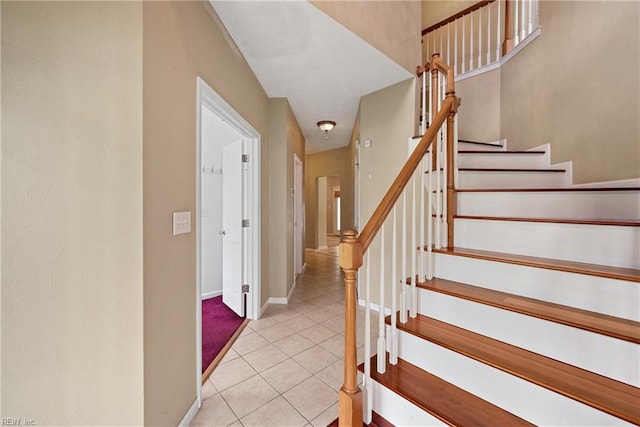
(350, 396)
(507, 44)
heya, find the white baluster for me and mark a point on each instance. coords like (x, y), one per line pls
(430, 106)
(423, 123)
(448, 61)
(516, 31)
(430, 214)
(382, 342)
(455, 48)
(471, 42)
(368, 386)
(498, 33)
(412, 313)
(489, 33)
(523, 20)
(422, 219)
(464, 36)
(530, 23)
(393, 356)
(403, 268)
(479, 38)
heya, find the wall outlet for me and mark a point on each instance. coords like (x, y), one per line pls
(367, 143)
(181, 222)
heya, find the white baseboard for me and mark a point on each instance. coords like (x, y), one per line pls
(304, 268)
(278, 300)
(263, 308)
(191, 413)
(293, 286)
(207, 295)
(323, 247)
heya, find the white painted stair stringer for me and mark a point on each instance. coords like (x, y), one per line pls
(614, 297)
(614, 205)
(617, 246)
(498, 159)
(604, 355)
(510, 179)
(399, 411)
(520, 397)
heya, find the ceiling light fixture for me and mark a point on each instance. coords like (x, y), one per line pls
(326, 126)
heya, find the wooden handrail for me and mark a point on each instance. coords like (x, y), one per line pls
(382, 211)
(458, 15)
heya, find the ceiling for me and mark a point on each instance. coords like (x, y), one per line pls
(298, 52)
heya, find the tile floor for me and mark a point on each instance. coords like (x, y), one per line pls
(286, 368)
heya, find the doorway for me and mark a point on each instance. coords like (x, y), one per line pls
(329, 225)
(227, 211)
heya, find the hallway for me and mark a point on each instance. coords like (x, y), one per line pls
(286, 368)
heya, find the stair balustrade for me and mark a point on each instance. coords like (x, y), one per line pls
(430, 169)
(482, 34)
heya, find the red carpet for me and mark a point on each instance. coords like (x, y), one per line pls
(219, 323)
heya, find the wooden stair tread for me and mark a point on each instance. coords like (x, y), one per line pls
(610, 396)
(618, 222)
(604, 324)
(443, 400)
(499, 152)
(511, 170)
(610, 272)
(534, 190)
(470, 142)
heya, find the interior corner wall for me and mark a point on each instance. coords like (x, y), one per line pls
(183, 40)
(479, 112)
(392, 27)
(72, 272)
(577, 87)
(337, 162)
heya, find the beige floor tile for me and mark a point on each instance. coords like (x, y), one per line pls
(236, 424)
(318, 333)
(244, 345)
(315, 359)
(276, 332)
(327, 417)
(230, 355)
(265, 357)
(311, 397)
(333, 375)
(277, 412)
(231, 373)
(302, 307)
(285, 315)
(214, 412)
(249, 395)
(294, 344)
(335, 345)
(319, 315)
(262, 323)
(300, 323)
(286, 375)
(247, 331)
(335, 323)
(208, 390)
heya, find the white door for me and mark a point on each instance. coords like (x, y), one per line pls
(232, 191)
(298, 217)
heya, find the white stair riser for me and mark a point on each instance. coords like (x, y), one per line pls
(511, 179)
(554, 204)
(399, 411)
(604, 355)
(616, 246)
(483, 147)
(602, 295)
(522, 398)
(513, 160)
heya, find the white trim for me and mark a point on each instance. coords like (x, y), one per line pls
(293, 286)
(374, 307)
(622, 183)
(264, 308)
(207, 97)
(323, 247)
(304, 268)
(190, 415)
(209, 295)
(498, 64)
(278, 300)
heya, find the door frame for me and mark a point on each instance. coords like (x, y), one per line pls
(298, 217)
(206, 96)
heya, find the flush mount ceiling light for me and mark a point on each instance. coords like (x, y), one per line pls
(326, 126)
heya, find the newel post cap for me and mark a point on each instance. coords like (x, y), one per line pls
(350, 251)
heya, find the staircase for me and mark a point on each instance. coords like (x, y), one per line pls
(533, 317)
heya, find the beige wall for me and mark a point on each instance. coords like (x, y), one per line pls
(338, 162)
(393, 27)
(577, 87)
(285, 139)
(434, 11)
(72, 306)
(479, 114)
(182, 41)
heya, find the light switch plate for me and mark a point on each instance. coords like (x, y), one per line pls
(181, 222)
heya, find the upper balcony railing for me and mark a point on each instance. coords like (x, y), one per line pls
(482, 34)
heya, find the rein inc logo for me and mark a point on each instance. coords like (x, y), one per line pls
(17, 422)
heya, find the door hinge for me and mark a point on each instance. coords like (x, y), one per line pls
(245, 289)
(245, 158)
(245, 223)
